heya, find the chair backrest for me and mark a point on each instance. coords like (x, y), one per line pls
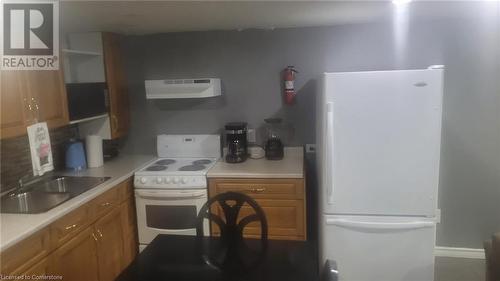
(231, 228)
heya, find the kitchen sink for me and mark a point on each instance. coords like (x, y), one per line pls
(71, 185)
(32, 202)
(44, 194)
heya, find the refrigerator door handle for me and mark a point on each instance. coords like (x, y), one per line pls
(329, 152)
(380, 225)
(330, 271)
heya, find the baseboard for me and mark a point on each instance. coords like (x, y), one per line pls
(467, 253)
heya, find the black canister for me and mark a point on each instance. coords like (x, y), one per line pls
(274, 147)
(236, 140)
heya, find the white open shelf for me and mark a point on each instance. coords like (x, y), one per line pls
(88, 119)
(80, 52)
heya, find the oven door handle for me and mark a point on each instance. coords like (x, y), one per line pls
(169, 194)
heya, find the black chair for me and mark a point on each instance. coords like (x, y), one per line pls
(231, 248)
(231, 229)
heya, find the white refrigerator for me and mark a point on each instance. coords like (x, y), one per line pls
(378, 151)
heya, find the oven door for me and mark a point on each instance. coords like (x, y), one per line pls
(168, 212)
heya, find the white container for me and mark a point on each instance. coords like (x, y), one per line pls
(93, 146)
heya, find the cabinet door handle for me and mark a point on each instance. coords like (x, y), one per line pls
(71, 226)
(258, 189)
(30, 104)
(99, 232)
(93, 236)
(114, 125)
(105, 204)
(36, 109)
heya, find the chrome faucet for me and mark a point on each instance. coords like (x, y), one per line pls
(24, 179)
(21, 182)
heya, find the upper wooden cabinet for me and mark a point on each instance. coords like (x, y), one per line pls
(49, 93)
(30, 96)
(117, 86)
(14, 102)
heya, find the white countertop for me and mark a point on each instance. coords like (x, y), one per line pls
(16, 227)
(291, 166)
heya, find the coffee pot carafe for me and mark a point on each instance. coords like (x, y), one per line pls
(236, 140)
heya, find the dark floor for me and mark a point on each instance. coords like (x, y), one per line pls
(458, 269)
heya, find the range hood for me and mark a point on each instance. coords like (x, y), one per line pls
(183, 88)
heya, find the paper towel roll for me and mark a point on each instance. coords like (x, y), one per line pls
(93, 145)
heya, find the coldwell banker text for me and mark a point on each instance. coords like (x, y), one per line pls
(30, 35)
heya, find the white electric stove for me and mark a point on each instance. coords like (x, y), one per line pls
(175, 173)
(171, 190)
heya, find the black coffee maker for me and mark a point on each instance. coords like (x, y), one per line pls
(236, 140)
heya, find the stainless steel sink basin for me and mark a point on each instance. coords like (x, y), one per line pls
(32, 202)
(72, 185)
(44, 194)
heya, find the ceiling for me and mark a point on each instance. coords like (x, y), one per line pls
(146, 17)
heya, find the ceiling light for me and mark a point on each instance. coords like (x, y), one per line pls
(400, 2)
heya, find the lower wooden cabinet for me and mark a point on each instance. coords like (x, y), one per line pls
(283, 202)
(42, 268)
(109, 231)
(21, 256)
(76, 260)
(129, 225)
(94, 242)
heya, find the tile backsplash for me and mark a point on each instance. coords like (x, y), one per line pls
(16, 159)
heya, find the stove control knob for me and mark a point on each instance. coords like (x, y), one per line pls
(159, 180)
(184, 180)
(144, 180)
(168, 180)
(176, 180)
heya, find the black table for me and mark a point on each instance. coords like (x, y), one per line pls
(179, 258)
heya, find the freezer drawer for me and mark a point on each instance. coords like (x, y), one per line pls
(374, 248)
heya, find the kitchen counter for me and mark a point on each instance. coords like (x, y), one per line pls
(291, 166)
(16, 227)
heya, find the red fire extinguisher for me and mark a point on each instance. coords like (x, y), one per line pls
(289, 79)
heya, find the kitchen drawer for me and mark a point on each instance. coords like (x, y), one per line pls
(23, 255)
(71, 224)
(41, 268)
(285, 219)
(126, 189)
(260, 188)
(105, 202)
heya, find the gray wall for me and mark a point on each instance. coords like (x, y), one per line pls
(249, 64)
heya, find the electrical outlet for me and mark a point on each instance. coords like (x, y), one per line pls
(310, 148)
